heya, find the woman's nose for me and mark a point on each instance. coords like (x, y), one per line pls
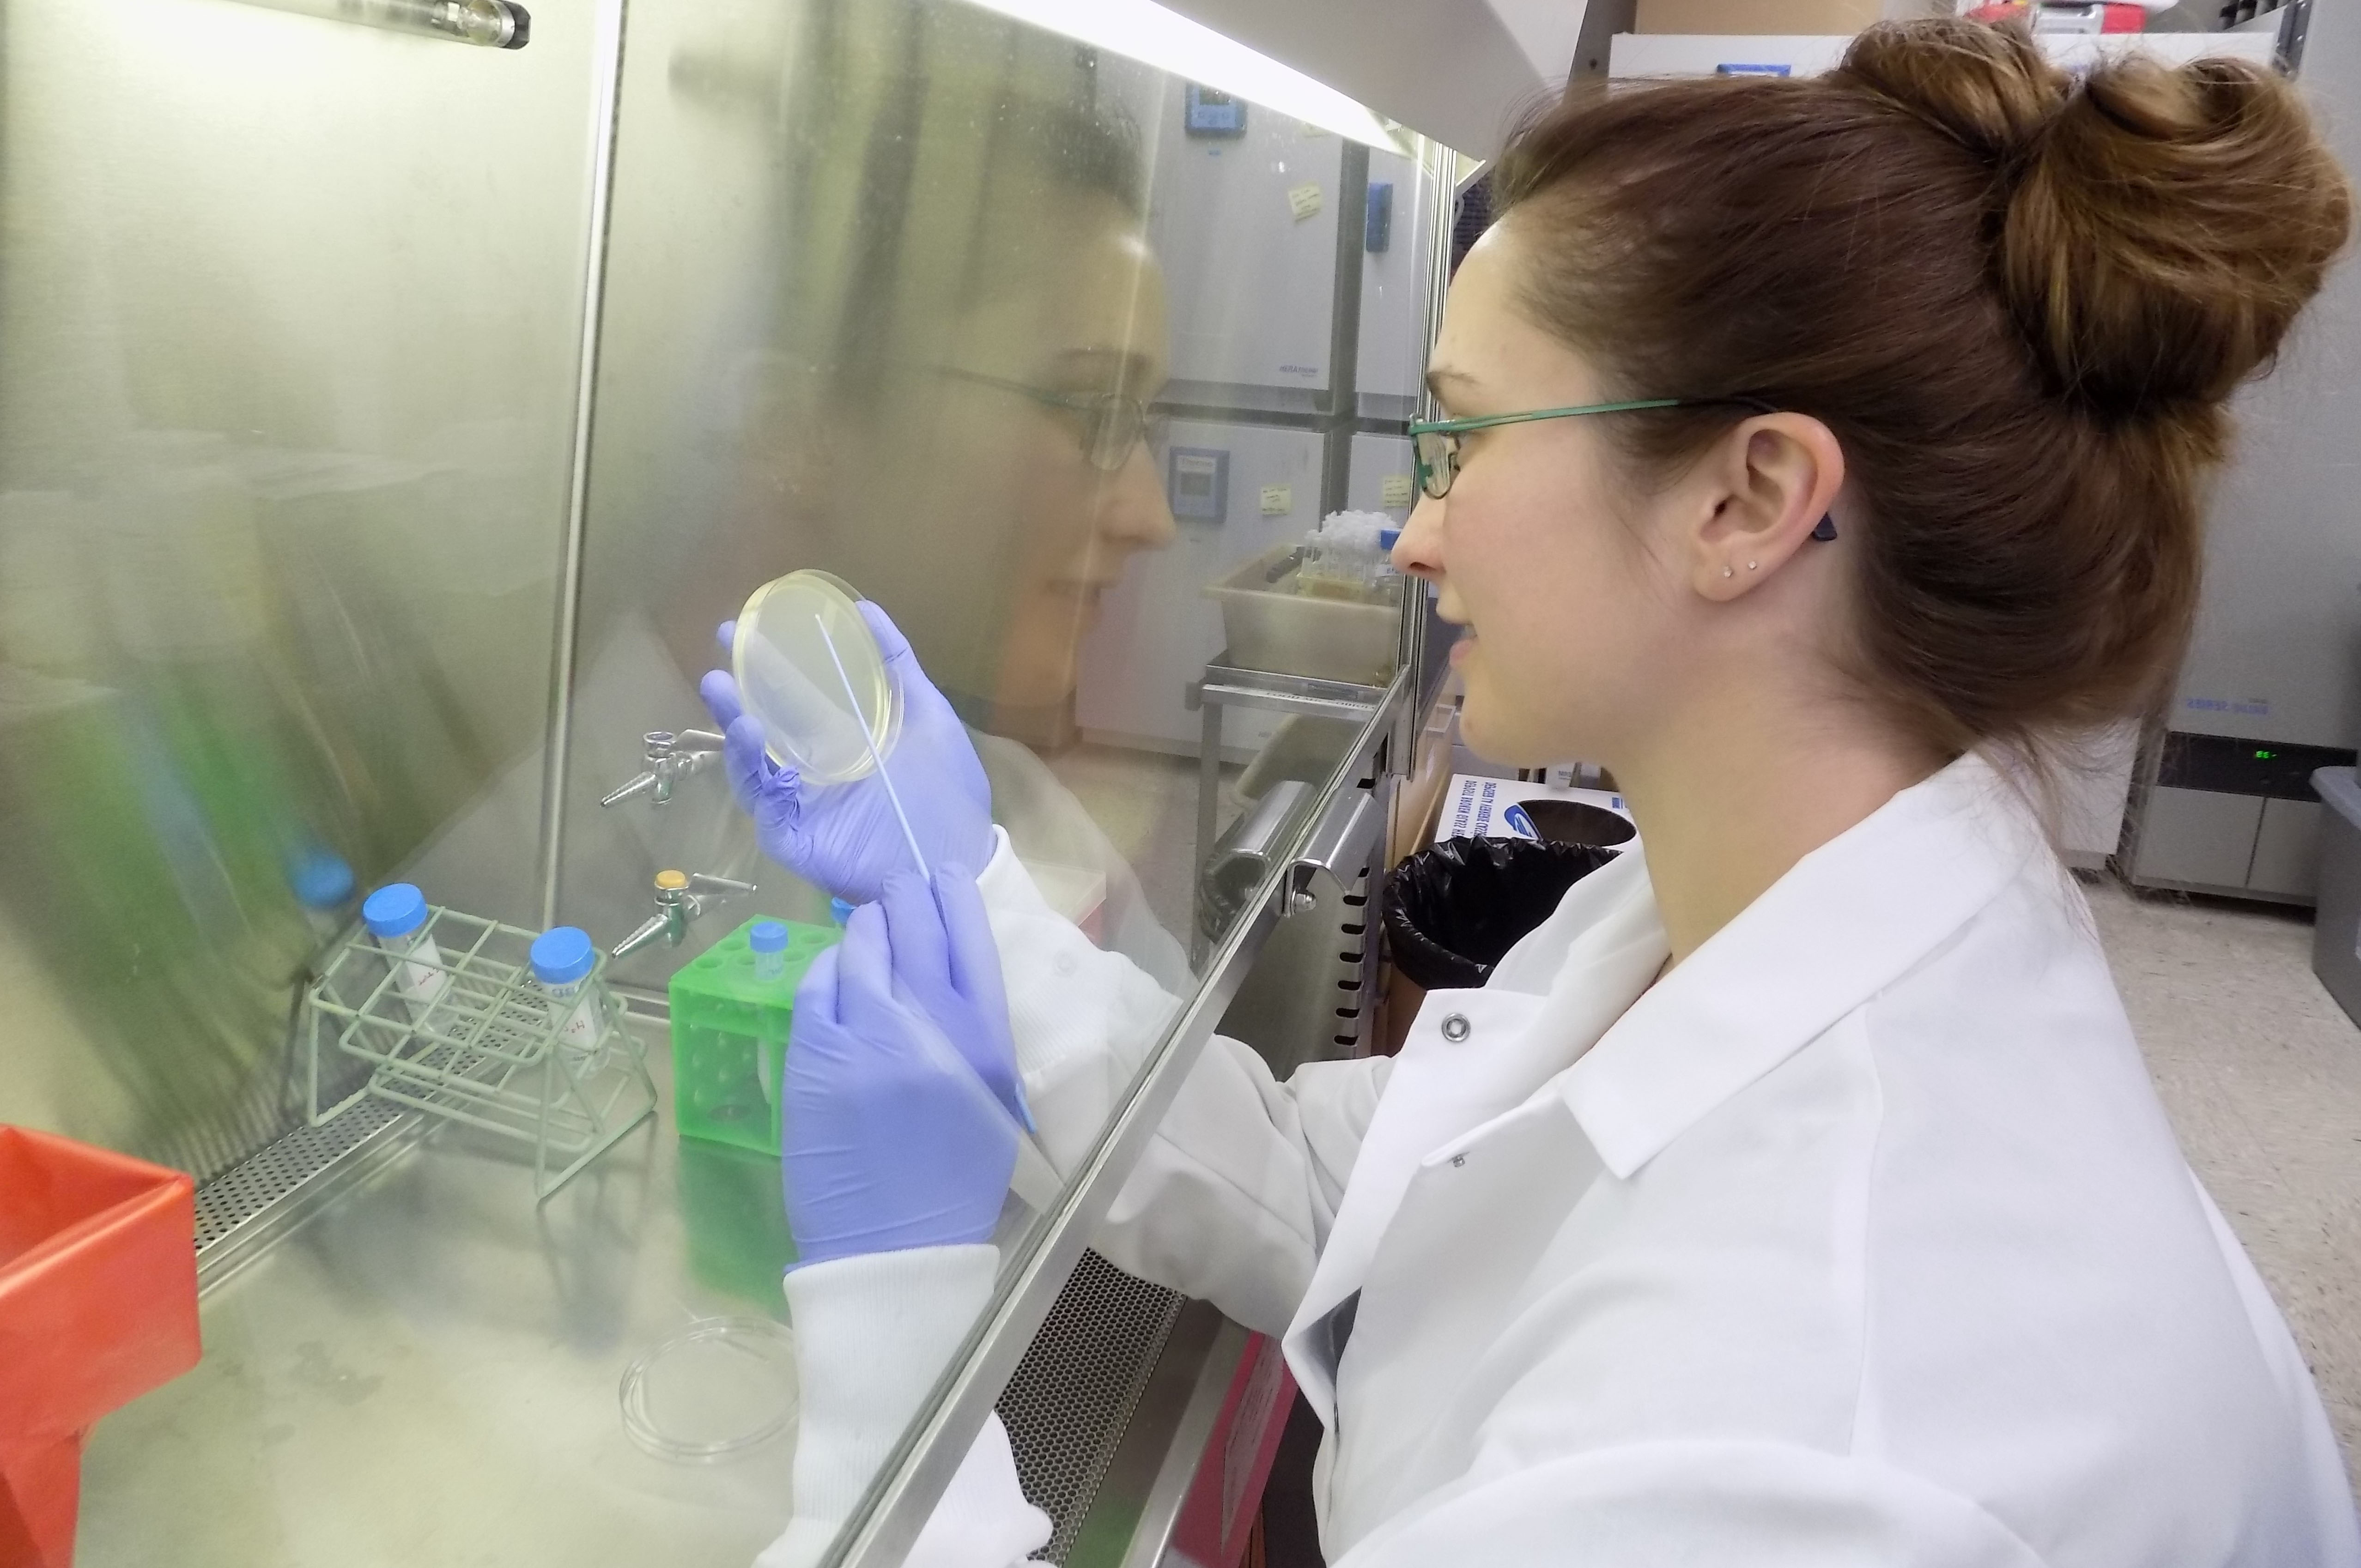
(1132, 512)
(1419, 551)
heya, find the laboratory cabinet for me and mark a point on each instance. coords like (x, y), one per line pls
(1236, 491)
(389, 421)
(2270, 689)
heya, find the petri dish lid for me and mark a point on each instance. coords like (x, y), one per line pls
(809, 668)
(714, 1391)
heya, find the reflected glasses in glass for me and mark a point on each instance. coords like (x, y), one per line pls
(1110, 423)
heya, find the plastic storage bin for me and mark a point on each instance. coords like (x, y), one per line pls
(2337, 928)
(98, 1304)
(1270, 626)
(730, 1036)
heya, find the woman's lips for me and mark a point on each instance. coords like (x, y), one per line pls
(1464, 647)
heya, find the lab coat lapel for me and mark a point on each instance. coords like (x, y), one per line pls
(1514, 1042)
(1466, 1221)
(1848, 920)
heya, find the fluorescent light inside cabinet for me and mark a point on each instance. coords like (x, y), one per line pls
(489, 24)
(1146, 32)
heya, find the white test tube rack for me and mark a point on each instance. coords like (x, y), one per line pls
(484, 1051)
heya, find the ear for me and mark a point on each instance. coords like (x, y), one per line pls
(1760, 492)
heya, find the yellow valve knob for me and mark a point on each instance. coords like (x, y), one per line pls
(672, 881)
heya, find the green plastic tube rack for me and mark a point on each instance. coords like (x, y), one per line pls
(730, 1037)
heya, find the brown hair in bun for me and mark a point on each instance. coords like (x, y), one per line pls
(2020, 300)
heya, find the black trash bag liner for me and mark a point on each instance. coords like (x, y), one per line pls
(1454, 910)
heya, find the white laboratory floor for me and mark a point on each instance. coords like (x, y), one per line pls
(2261, 1071)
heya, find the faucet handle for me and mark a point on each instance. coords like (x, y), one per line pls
(666, 745)
(681, 897)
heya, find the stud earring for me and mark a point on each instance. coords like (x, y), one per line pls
(1750, 566)
(1728, 572)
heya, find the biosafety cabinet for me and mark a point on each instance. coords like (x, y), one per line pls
(395, 400)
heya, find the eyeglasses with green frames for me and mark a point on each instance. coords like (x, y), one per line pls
(1434, 443)
(1112, 424)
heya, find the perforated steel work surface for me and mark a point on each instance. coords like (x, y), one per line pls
(1077, 1386)
(256, 1183)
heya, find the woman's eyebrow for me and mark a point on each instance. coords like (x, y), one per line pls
(1442, 379)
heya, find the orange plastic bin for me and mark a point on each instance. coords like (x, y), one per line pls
(98, 1304)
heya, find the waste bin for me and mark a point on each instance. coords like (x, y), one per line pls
(2337, 928)
(1454, 911)
(98, 1304)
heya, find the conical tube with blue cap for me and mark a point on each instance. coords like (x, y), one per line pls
(563, 960)
(395, 915)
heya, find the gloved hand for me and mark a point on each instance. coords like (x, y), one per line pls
(846, 837)
(948, 966)
(889, 1138)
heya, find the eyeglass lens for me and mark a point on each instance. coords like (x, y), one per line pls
(1113, 427)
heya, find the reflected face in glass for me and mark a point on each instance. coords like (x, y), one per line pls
(1024, 473)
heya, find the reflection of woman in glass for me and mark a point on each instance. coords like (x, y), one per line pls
(955, 419)
(964, 441)
(905, 331)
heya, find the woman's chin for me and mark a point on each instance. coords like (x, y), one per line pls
(1044, 682)
(1496, 736)
(1475, 732)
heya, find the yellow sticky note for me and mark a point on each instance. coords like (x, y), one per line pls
(1303, 201)
(1393, 491)
(1278, 499)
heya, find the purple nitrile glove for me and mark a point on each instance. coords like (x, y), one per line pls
(846, 837)
(888, 1139)
(946, 964)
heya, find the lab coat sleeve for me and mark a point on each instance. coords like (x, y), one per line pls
(872, 1333)
(1233, 1197)
(1677, 1503)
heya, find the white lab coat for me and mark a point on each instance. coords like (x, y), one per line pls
(1860, 1239)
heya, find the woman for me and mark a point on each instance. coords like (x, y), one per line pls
(1795, 1194)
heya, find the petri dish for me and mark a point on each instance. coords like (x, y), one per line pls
(809, 668)
(716, 1388)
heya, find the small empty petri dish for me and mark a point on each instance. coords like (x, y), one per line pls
(809, 668)
(714, 1391)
